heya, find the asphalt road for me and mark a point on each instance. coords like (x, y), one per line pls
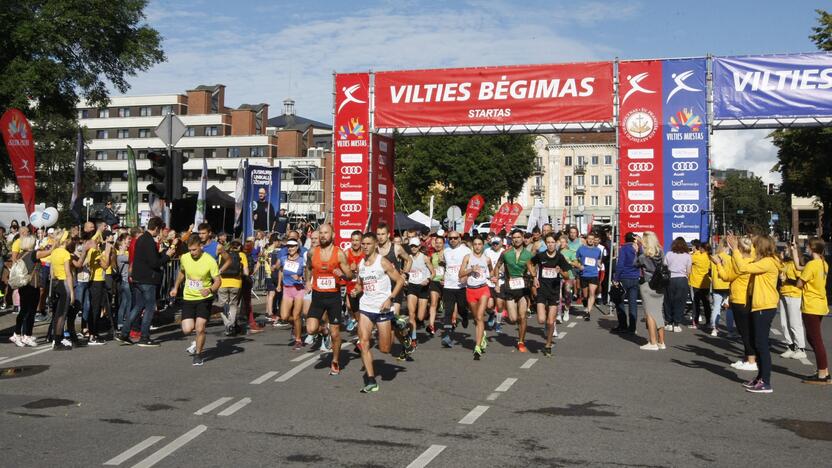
(600, 401)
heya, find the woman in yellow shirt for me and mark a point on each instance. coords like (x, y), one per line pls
(815, 306)
(99, 262)
(738, 296)
(700, 281)
(765, 270)
(789, 307)
(721, 291)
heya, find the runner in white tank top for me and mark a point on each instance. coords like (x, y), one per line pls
(418, 291)
(478, 270)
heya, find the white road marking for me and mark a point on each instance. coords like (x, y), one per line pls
(473, 415)
(133, 451)
(427, 456)
(40, 350)
(177, 443)
(572, 325)
(304, 356)
(264, 377)
(295, 370)
(561, 335)
(805, 362)
(528, 364)
(493, 396)
(235, 407)
(212, 406)
(507, 383)
(776, 331)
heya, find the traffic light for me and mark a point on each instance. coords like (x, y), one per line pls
(178, 160)
(160, 172)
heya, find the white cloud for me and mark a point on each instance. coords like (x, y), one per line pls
(745, 149)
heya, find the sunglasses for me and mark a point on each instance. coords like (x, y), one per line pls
(454, 238)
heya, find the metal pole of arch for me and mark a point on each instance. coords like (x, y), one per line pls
(616, 228)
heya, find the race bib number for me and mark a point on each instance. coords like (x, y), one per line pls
(440, 271)
(326, 282)
(291, 266)
(83, 277)
(549, 273)
(588, 261)
(416, 276)
(516, 283)
(370, 286)
(195, 285)
(453, 270)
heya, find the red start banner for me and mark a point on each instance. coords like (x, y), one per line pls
(21, 148)
(383, 185)
(523, 94)
(351, 184)
(640, 137)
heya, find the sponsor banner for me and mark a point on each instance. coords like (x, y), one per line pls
(262, 199)
(513, 214)
(685, 148)
(383, 188)
(475, 205)
(351, 184)
(640, 136)
(499, 218)
(794, 85)
(524, 94)
(20, 144)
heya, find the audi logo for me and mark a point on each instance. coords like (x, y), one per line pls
(640, 166)
(685, 166)
(351, 170)
(640, 208)
(350, 207)
(685, 208)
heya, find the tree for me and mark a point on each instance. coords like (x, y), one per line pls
(454, 168)
(744, 205)
(53, 53)
(804, 155)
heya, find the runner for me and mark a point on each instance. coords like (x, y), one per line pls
(290, 268)
(496, 303)
(517, 262)
(418, 278)
(568, 282)
(589, 259)
(550, 265)
(574, 242)
(354, 257)
(453, 294)
(395, 254)
(378, 283)
(324, 264)
(477, 269)
(313, 242)
(436, 283)
(203, 281)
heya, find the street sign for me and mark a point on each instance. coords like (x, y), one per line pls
(170, 130)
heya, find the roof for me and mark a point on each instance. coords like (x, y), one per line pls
(254, 107)
(296, 122)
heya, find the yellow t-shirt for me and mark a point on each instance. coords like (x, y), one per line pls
(236, 282)
(789, 287)
(94, 264)
(59, 258)
(700, 269)
(765, 272)
(199, 274)
(729, 271)
(719, 283)
(16, 246)
(814, 288)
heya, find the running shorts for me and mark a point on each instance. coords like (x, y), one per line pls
(475, 294)
(422, 292)
(548, 296)
(197, 309)
(326, 303)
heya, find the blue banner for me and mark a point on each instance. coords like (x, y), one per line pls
(794, 85)
(262, 199)
(685, 150)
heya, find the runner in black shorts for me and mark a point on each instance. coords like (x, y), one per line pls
(418, 292)
(550, 267)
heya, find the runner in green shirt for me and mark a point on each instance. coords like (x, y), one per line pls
(516, 261)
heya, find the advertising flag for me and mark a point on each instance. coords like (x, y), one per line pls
(20, 144)
(499, 218)
(75, 203)
(262, 199)
(473, 209)
(199, 216)
(383, 199)
(511, 219)
(240, 194)
(132, 210)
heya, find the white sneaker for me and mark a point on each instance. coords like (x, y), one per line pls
(16, 339)
(668, 327)
(30, 341)
(192, 348)
(736, 365)
(309, 339)
(661, 346)
(649, 347)
(787, 354)
(748, 366)
(677, 329)
(714, 332)
(566, 316)
(799, 354)
(326, 344)
(66, 342)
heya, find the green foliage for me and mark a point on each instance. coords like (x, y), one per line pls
(53, 53)
(454, 168)
(751, 197)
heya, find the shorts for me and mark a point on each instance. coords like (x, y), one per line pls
(197, 309)
(548, 296)
(354, 301)
(326, 303)
(497, 293)
(586, 281)
(293, 292)
(435, 286)
(514, 294)
(422, 292)
(475, 294)
(379, 317)
(45, 275)
(270, 284)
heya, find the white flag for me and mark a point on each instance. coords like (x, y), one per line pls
(239, 194)
(199, 216)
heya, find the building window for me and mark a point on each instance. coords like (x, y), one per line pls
(258, 152)
(124, 112)
(123, 133)
(595, 160)
(567, 201)
(142, 154)
(607, 180)
(580, 200)
(608, 160)
(211, 131)
(209, 152)
(83, 114)
(100, 155)
(167, 110)
(608, 200)
(593, 200)
(579, 180)
(234, 152)
(188, 154)
(190, 131)
(567, 161)
(103, 113)
(121, 154)
(581, 160)
(102, 134)
(567, 181)
(593, 180)
(145, 112)
(144, 133)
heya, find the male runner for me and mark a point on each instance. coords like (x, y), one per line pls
(395, 254)
(453, 293)
(324, 264)
(496, 303)
(354, 257)
(517, 261)
(589, 258)
(551, 266)
(203, 281)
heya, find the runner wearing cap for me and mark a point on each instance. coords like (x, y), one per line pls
(436, 282)
(496, 303)
(418, 278)
(290, 267)
(453, 294)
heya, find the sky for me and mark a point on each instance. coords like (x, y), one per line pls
(266, 51)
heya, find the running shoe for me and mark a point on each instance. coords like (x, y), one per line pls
(649, 347)
(751, 383)
(298, 345)
(799, 354)
(447, 342)
(547, 351)
(714, 332)
(761, 387)
(198, 360)
(788, 353)
(522, 347)
(326, 344)
(565, 315)
(30, 341)
(95, 341)
(483, 342)
(351, 323)
(586, 317)
(492, 318)
(191, 350)
(370, 387)
(499, 328)
(430, 330)
(281, 325)
(124, 340)
(662, 346)
(465, 321)
(334, 368)
(148, 343)
(677, 329)
(817, 380)
(747, 366)
(16, 339)
(59, 346)
(477, 353)
(308, 339)
(41, 317)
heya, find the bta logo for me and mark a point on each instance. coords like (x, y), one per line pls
(350, 207)
(685, 208)
(640, 166)
(351, 170)
(640, 208)
(345, 245)
(685, 166)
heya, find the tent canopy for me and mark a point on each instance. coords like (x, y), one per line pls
(404, 222)
(423, 219)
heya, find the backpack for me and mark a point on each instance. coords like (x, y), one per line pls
(661, 277)
(236, 268)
